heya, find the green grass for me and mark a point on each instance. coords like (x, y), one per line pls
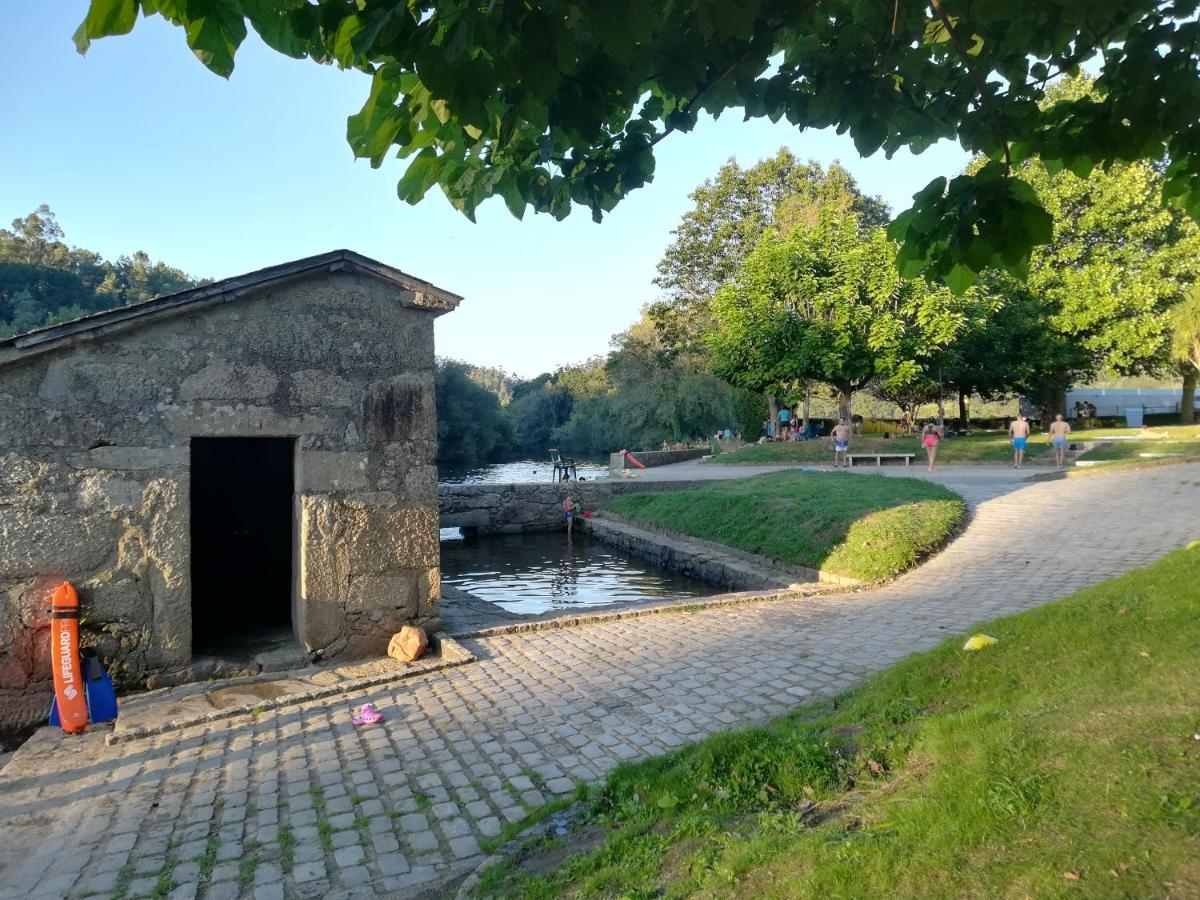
(1061, 762)
(1170, 443)
(977, 448)
(867, 527)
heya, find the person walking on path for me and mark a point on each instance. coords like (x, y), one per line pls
(931, 436)
(1058, 439)
(841, 443)
(1019, 430)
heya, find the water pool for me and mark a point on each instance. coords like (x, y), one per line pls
(537, 573)
(522, 471)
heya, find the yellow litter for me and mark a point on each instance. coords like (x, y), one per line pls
(979, 641)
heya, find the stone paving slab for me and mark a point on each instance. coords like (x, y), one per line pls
(171, 709)
(299, 803)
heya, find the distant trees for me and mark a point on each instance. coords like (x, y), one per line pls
(472, 427)
(43, 280)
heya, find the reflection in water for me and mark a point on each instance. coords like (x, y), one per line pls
(533, 573)
(523, 471)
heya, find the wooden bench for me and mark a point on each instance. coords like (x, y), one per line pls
(880, 457)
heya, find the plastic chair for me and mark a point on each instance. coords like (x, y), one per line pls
(564, 467)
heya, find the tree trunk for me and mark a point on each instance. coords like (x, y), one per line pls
(1053, 400)
(844, 393)
(804, 409)
(1187, 406)
(773, 405)
(964, 410)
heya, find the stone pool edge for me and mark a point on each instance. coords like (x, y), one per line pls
(683, 605)
(707, 560)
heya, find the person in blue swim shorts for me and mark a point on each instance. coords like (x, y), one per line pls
(1058, 439)
(1019, 431)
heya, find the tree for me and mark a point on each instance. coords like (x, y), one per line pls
(1117, 262)
(561, 102)
(731, 212)
(641, 395)
(471, 425)
(1007, 345)
(825, 303)
(1185, 349)
(537, 412)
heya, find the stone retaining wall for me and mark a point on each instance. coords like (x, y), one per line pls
(651, 458)
(512, 508)
(716, 565)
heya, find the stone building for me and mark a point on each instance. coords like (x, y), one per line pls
(221, 466)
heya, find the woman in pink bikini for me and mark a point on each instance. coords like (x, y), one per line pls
(931, 435)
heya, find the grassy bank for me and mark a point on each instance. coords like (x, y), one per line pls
(977, 448)
(1169, 443)
(1060, 762)
(864, 527)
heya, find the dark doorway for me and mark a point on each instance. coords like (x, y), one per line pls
(241, 545)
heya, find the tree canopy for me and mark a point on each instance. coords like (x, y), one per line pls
(560, 102)
(729, 215)
(825, 303)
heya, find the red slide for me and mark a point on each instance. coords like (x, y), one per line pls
(630, 457)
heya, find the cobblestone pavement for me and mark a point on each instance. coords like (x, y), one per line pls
(297, 803)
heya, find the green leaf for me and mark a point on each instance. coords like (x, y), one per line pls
(343, 42)
(216, 35)
(936, 31)
(105, 18)
(959, 278)
(509, 188)
(422, 174)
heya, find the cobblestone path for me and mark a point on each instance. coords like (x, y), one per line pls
(297, 803)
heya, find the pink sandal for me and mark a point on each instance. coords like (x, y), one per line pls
(367, 715)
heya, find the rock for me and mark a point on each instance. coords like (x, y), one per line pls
(408, 643)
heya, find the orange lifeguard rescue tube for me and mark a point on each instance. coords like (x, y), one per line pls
(64, 659)
(630, 457)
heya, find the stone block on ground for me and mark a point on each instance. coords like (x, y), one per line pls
(408, 644)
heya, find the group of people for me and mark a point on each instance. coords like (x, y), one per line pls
(932, 434)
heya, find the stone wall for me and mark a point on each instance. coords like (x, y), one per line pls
(94, 469)
(651, 458)
(511, 508)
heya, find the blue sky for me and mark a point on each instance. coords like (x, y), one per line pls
(138, 146)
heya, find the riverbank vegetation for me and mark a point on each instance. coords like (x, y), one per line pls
(1058, 762)
(867, 527)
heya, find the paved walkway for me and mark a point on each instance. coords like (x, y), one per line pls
(298, 803)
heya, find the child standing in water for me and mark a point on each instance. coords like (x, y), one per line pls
(569, 508)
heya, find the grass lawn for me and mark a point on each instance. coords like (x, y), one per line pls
(978, 448)
(1172, 442)
(1063, 761)
(865, 527)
